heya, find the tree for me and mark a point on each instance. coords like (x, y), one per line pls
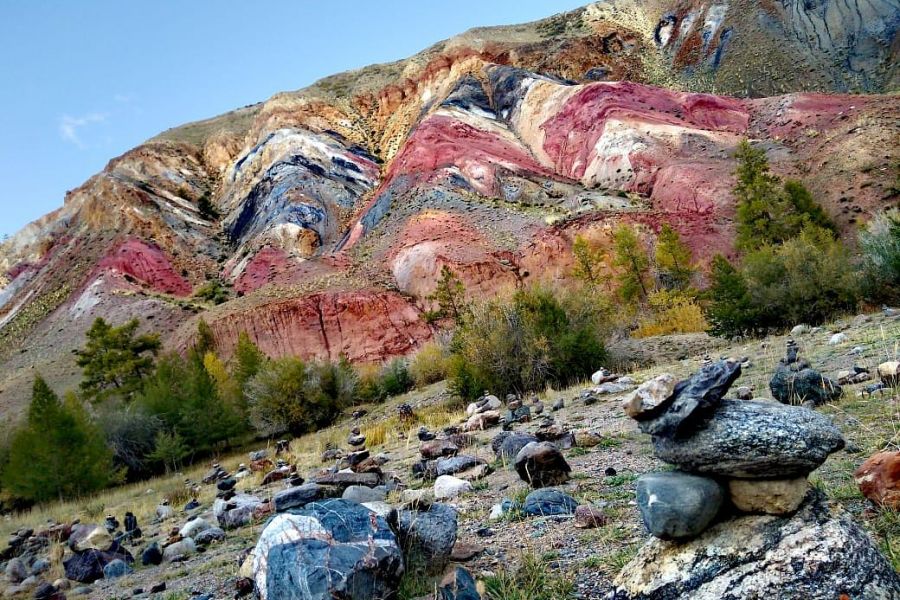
(248, 359)
(169, 449)
(804, 209)
(880, 244)
(589, 262)
(769, 212)
(731, 310)
(449, 295)
(115, 360)
(632, 263)
(206, 339)
(58, 453)
(673, 260)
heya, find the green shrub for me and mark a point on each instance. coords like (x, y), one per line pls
(807, 279)
(377, 383)
(880, 244)
(212, 291)
(430, 364)
(288, 395)
(536, 338)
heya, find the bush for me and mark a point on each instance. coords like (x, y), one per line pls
(880, 244)
(671, 312)
(534, 339)
(377, 383)
(287, 395)
(430, 364)
(807, 279)
(212, 291)
(131, 435)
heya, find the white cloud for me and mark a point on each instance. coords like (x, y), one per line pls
(124, 98)
(69, 126)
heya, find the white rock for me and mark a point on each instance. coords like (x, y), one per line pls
(800, 329)
(496, 512)
(164, 511)
(185, 547)
(491, 403)
(838, 338)
(193, 527)
(471, 408)
(382, 509)
(447, 486)
(598, 376)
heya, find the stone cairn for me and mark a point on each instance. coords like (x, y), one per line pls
(737, 458)
(796, 382)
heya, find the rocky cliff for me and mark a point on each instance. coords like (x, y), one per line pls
(337, 205)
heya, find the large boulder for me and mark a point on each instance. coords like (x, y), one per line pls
(676, 506)
(819, 552)
(426, 535)
(754, 440)
(329, 549)
(690, 400)
(541, 464)
(448, 486)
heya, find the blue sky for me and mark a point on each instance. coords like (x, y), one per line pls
(84, 81)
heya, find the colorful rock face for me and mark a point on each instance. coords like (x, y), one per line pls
(486, 154)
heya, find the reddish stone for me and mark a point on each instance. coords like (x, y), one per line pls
(879, 479)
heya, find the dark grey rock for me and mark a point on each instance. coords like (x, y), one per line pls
(87, 566)
(115, 569)
(541, 464)
(676, 506)
(455, 464)
(459, 584)
(506, 444)
(754, 440)
(297, 497)
(819, 552)
(152, 555)
(691, 399)
(329, 549)
(547, 502)
(426, 535)
(793, 385)
(207, 537)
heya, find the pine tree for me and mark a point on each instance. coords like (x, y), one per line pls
(589, 261)
(731, 310)
(206, 339)
(449, 295)
(673, 260)
(169, 449)
(632, 263)
(761, 207)
(769, 212)
(247, 361)
(115, 360)
(58, 453)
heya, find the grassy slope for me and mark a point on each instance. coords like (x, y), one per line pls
(586, 559)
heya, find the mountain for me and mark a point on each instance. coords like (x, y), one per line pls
(330, 211)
